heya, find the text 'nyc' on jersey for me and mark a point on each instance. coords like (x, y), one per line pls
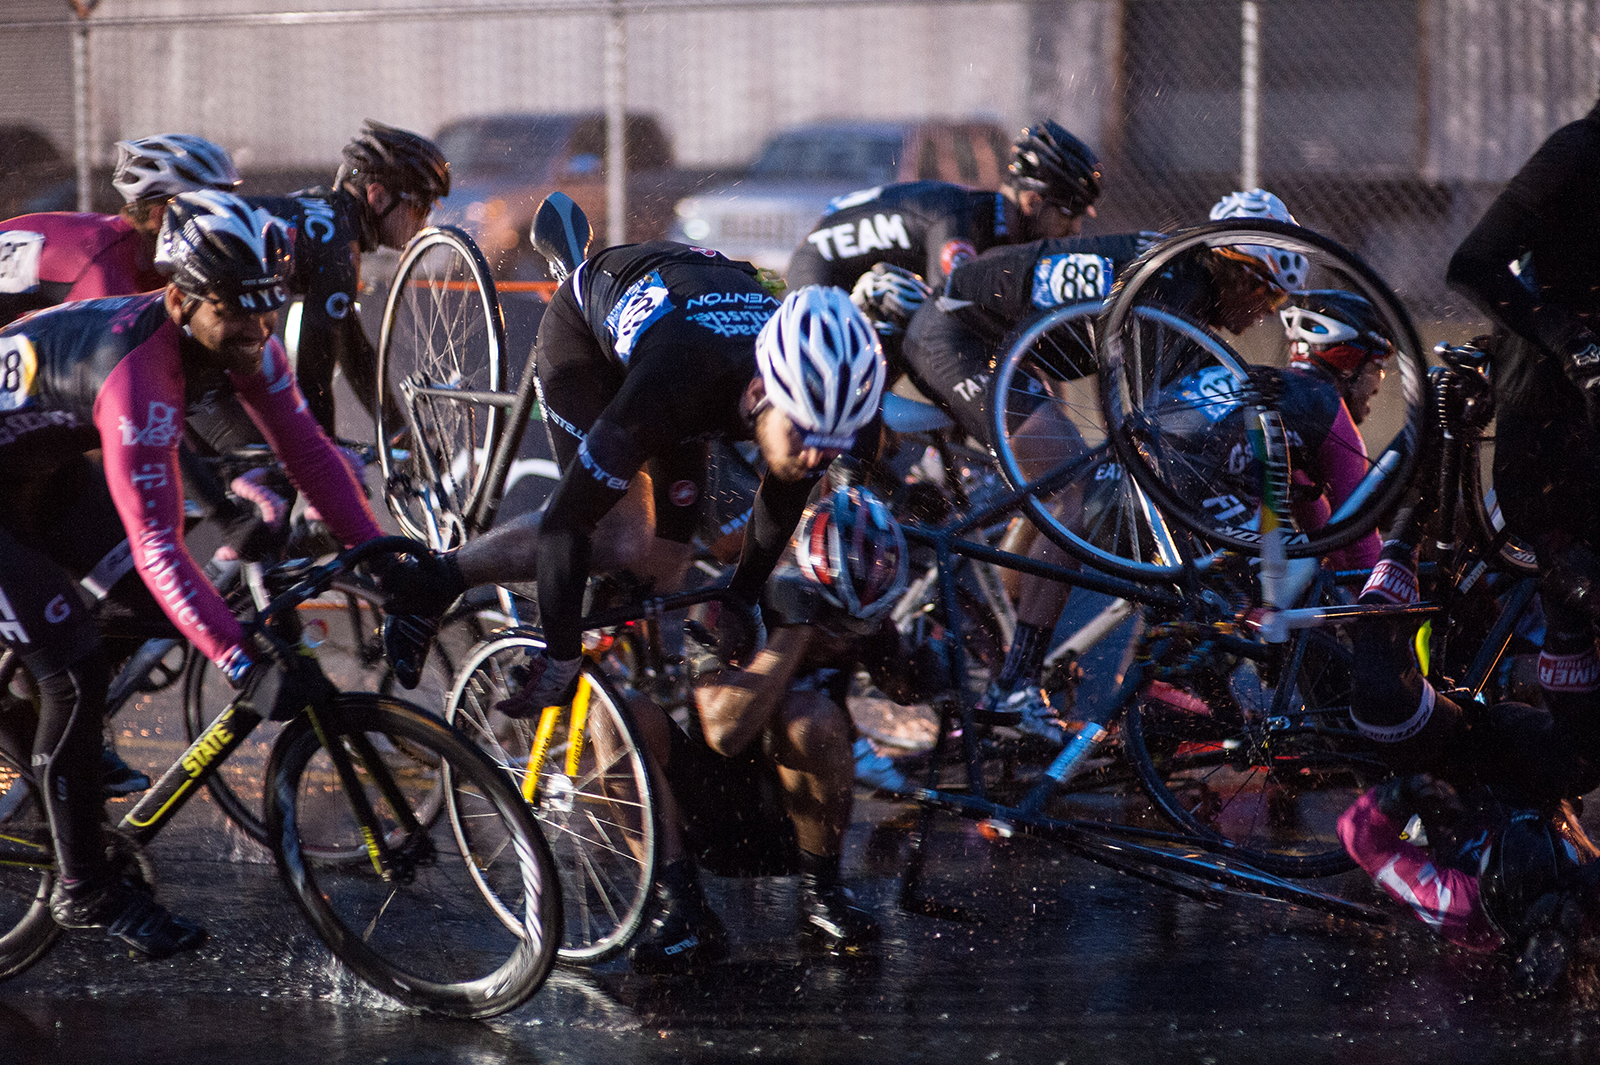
(927, 227)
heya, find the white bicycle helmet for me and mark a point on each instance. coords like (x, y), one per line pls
(169, 164)
(822, 365)
(1286, 269)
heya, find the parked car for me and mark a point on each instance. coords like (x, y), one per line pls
(502, 166)
(765, 214)
(34, 175)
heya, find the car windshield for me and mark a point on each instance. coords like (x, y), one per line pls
(498, 145)
(845, 155)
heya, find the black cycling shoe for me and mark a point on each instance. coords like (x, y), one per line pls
(828, 913)
(128, 913)
(406, 639)
(118, 778)
(685, 935)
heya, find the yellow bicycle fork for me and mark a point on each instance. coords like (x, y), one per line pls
(546, 732)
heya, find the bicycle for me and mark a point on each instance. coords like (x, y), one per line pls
(457, 915)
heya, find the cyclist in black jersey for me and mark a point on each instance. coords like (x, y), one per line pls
(761, 774)
(646, 352)
(953, 341)
(1532, 264)
(922, 230)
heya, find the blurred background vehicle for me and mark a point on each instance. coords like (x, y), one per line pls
(34, 175)
(763, 215)
(502, 166)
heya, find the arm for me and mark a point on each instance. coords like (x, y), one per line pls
(1344, 463)
(1481, 266)
(1445, 899)
(139, 416)
(280, 411)
(330, 330)
(737, 704)
(777, 510)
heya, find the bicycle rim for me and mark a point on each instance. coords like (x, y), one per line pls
(425, 935)
(1223, 763)
(27, 872)
(590, 790)
(442, 330)
(1049, 433)
(1169, 384)
(1477, 485)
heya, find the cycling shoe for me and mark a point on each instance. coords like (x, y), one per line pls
(828, 913)
(129, 914)
(118, 778)
(686, 934)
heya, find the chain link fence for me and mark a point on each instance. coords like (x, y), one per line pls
(1387, 124)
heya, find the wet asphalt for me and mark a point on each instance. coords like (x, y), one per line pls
(1061, 961)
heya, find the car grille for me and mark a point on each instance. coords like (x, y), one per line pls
(760, 229)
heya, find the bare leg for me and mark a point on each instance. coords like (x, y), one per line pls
(811, 743)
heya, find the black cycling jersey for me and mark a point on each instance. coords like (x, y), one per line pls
(927, 227)
(951, 342)
(643, 355)
(1532, 265)
(328, 241)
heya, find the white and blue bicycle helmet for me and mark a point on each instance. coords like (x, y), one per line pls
(822, 365)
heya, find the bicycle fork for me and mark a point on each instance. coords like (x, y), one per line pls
(545, 733)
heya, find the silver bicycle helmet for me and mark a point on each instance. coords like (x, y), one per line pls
(1286, 269)
(216, 246)
(822, 366)
(852, 549)
(171, 163)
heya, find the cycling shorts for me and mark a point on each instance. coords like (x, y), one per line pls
(734, 820)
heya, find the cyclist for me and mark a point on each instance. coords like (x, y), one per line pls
(953, 341)
(1487, 867)
(117, 375)
(381, 196)
(887, 245)
(58, 257)
(1532, 266)
(645, 352)
(776, 725)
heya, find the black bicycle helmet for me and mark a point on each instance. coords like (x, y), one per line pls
(216, 246)
(403, 161)
(1052, 162)
(1526, 860)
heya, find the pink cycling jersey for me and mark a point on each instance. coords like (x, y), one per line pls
(94, 255)
(140, 413)
(1445, 899)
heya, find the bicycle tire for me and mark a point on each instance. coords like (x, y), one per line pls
(351, 653)
(1046, 415)
(1220, 766)
(600, 819)
(27, 873)
(443, 329)
(1483, 508)
(1165, 381)
(425, 936)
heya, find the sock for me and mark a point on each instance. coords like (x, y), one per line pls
(821, 870)
(1394, 578)
(1025, 655)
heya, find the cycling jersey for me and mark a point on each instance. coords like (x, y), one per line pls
(58, 257)
(643, 355)
(1532, 264)
(327, 227)
(927, 227)
(118, 374)
(1327, 454)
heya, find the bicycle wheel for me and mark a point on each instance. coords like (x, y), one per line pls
(421, 931)
(1477, 488)
(27, 872)
(1050, 439)
(345, 625)
(590, 790)
(1171, 386)
(442, 334)
(1229, 757)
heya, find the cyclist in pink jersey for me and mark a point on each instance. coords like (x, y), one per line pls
(59, 257)
(118, 375)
